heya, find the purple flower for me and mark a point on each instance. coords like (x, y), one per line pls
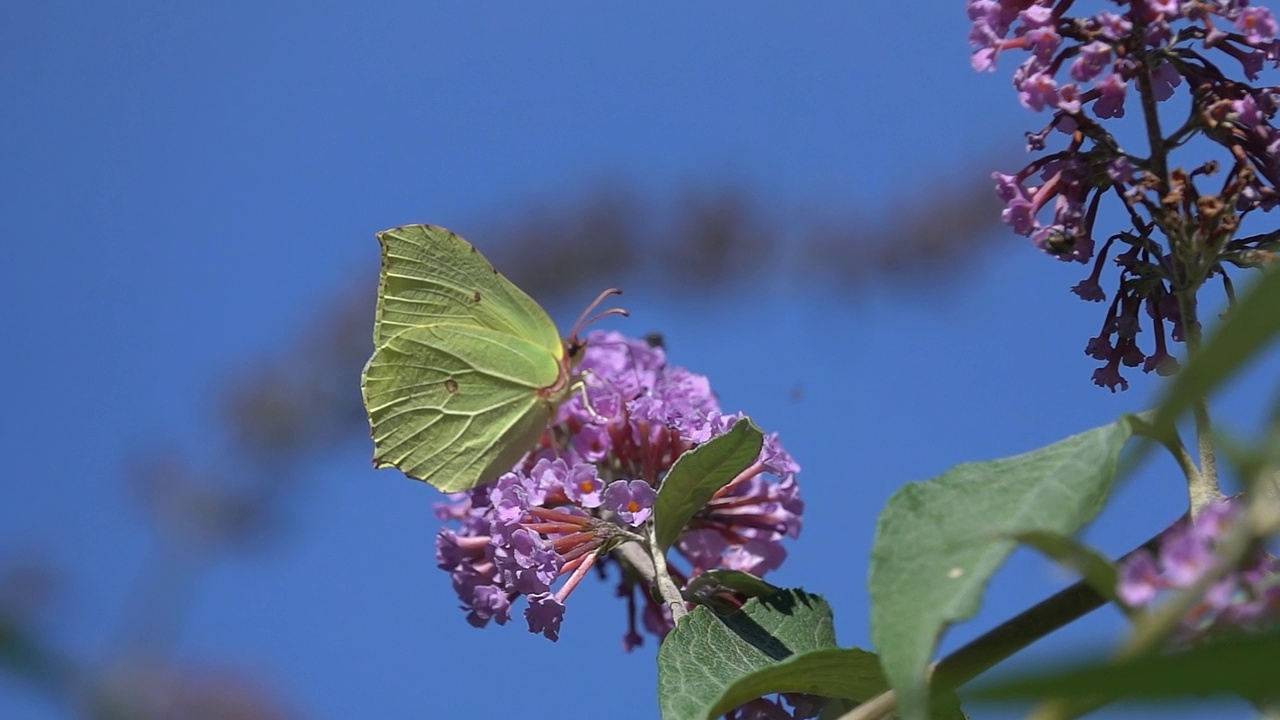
(1089, 289)
(1099, 348)
(1109, 377)
(1009, 187)
(1113, 26)
(1038, 91)
(755, 556)
(1110, 104)
(1248, 598)
(1164, 80)
(1184, 558)
(1258, 25)
(544, 614)
(527, 562)
(984, 60)
(632, 501)
(1019, 214)
(777, 460)
(592, 443)
(584, 486)
(1092, 60)
(552, 518)
(1139, 579)
(703, 548)
(1168, 8)
(1246, 111)
(488, 602)
(509, 500)
(1119, 170)
(546, 478)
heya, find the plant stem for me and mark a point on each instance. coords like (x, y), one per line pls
(1203, 487)
(667, 589)
(1155, 138)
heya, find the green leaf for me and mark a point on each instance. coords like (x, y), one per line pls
(1243, 333)
(710, 664)
(939, 542)
(699, 473)
(736, 580)
(1245, 665)
(1093, 566)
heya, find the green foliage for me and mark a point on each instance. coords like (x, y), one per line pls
(735, 580)
(699, 473)
(1247, 329)
(785, 642)
(1244, 665)
(939, 542)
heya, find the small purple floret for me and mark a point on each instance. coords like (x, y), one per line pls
(632, 501)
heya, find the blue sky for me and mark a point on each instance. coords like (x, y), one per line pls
(187, 188)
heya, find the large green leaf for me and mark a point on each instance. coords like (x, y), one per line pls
(939, 542)
(1245, 331)
(710, 664)
(1246, 665)
(699, 473)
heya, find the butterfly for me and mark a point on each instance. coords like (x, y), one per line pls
(467, 370)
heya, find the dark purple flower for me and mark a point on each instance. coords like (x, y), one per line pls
(544, 614)
(1164, 80)
(1119, 170)
(1089, 289)
(1109, 377)
(1110, 104)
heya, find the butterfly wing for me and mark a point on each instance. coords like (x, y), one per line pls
(458, 405)
(431, 276)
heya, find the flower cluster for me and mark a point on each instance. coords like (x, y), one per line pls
(590, 485)
(1082, 69)
(1246, 599)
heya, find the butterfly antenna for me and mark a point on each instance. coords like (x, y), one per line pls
(583, 321)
